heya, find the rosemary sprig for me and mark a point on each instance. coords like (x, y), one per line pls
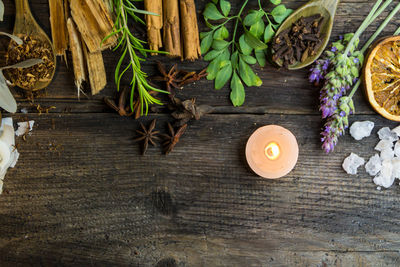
(130, 45)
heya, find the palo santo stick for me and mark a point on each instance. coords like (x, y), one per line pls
(75, 44)
(94, 23)
(95, 69)
(171, 33)
(190, 30)
(154, 24)
(59, 32)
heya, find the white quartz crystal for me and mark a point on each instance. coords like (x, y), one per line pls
(352, 162)
(397, 149)
(374, 165)
(396, 130)
(384, 144)
(387, 154)
(361, 129)
(396, 167)
(385, 178)
(386, 134)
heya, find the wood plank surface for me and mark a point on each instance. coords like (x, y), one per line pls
(82, 195)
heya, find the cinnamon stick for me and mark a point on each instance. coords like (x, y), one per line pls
(154, 24)
(171, 33)
(58, 23)
(75, 44)
(190, 30)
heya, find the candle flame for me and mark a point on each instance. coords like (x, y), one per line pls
(272, 151)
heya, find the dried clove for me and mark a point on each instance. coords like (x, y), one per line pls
(299, 42)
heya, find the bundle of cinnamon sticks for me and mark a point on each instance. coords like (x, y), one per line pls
(178, 21)
(80, 26)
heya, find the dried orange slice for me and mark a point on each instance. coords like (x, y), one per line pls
(382, 77)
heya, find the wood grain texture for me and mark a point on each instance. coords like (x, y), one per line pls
(82, 195)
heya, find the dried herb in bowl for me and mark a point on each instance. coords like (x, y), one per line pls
(30, 48)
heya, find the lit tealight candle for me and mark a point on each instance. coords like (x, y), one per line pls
(272, 151)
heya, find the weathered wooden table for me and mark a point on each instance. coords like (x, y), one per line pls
(95, 201)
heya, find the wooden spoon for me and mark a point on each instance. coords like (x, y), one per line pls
(327, 9)
(24, 25)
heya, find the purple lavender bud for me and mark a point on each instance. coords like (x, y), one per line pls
(356, 60)
(325, 65)
(342, 114)
(355, 79)
(340, 37)
(334, 49)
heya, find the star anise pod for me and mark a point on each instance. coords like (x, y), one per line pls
(170, 78)
(173, 139)
(147, 135)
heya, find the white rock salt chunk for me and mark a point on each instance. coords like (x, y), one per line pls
(383, 144)
(374, 165)
(361, 129)
(387, 154)
(352, 162)
(396, 167)
(397, 130)
(385, 178)
(24, 127)
(386, 134)
(397, 149)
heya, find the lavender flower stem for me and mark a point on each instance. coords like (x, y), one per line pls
(381, 27)
(370, 18)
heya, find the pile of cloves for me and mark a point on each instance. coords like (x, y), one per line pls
(298, 42)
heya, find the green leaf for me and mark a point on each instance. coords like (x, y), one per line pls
(237, 93)
(211, 12)
(258, 28)
(253, 17)
(249, 59)
(280, 18)
(220, 44)
(213, 68)
(221, 33)
(260, 56)
(275, 2)
(253, 41)
(247, 74)
(225, 7)
(1, 10)
(215, 65)
(212, 54)
(234, 59)
(268, 33)
(278, 11)
(205, 34)
(7, 100)
(206, 44)
(244, 47)
(223, 76)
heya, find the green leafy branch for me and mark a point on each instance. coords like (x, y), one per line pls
(230, 59)
(130, 45)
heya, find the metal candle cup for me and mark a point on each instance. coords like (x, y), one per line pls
(272, 151)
